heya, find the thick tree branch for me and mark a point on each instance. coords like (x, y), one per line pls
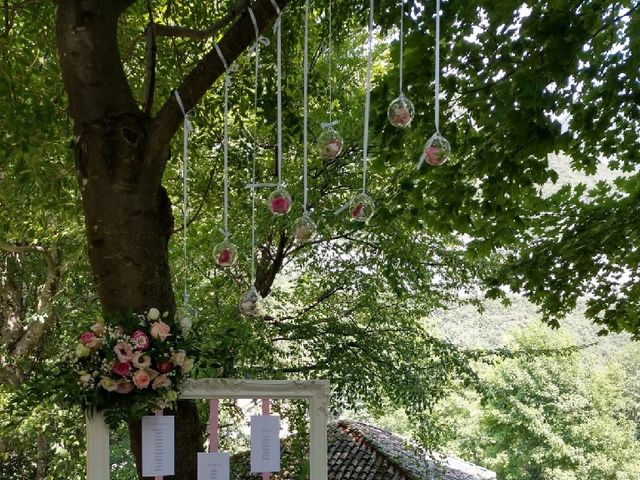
(237, 39)
(196, 34)
(34, 333)
(266, 276)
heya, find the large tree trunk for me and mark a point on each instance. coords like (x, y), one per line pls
(121, 153)
(127, 212)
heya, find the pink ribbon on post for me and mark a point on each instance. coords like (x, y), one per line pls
(265, 411)
(159, 414)
(213, 425)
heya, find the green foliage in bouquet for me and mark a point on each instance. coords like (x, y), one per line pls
(129, 367)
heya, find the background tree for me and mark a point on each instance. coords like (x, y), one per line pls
(543, 418)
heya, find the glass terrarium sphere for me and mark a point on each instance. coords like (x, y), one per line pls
(186, 315)
(329, 143)
(250, 303)
(225, 254)
(436, 151)
(361, 208)
(401, 112)
(280, 202)
(304, 228)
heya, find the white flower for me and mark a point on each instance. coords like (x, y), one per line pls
(154, 314)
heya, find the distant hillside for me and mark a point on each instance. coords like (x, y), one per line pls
(490, 329)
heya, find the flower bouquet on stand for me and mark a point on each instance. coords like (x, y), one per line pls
(130, 369)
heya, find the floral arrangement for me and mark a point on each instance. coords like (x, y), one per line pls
(136, 367)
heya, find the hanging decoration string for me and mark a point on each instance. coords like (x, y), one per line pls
(278, 27)
(186, 130)
(306, 104)
(367, 104)
(437, 69)
(401, 44)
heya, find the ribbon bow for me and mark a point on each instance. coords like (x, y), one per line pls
(329, 124)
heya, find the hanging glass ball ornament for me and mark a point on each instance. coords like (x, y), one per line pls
(225, 254)
(186, 315)
(304, 228)
(401, 112)
(280, 202)
(361, 208)
(250, 303)
(436, 151)
(329, 143)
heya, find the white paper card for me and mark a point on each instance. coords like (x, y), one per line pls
(158, 439)
(265, 443)
(213, 466)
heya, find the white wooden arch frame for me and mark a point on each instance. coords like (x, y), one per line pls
(316, 392)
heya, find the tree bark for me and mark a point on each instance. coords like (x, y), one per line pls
(120, 154)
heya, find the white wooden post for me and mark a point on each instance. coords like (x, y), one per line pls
(98, 464)
(318, 415)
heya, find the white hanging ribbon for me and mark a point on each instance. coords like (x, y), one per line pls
(437, 68)
(227, 82)
(253, 184)
(401, 45)
(260, 40)
(306, 108)
(278, 11)
(367, 103)
(278, 27)
(423, 157)
(186, 129)
(330, 52)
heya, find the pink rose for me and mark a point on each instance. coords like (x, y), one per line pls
(160, 330)
(123, 351)
(161, 381)
(121, 368)
(141, 340)
(95, 343)
(141, 379)
(280, 205)
(402, 117)
(164, 366)
(357, 211)
(331, 148)
(124, 386)
(86, 337)
(432, 155)
(98, 328)
(225, 257)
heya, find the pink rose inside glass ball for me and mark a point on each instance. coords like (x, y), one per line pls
(361, 208)
(304, 229)
(225, 254)
(280, 202)
(436, 151)
(250, 303)
(401, 112)
(329, 143)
